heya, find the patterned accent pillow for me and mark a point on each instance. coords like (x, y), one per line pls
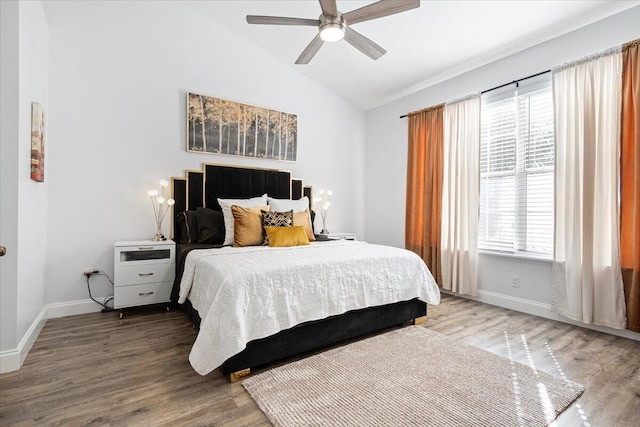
(276, 219)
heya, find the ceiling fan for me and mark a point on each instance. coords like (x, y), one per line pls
(334, 25)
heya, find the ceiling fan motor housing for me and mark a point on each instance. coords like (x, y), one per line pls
(332, 28)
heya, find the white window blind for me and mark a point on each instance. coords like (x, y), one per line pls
(516, 169)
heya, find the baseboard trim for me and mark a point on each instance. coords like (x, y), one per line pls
(541, 310)
(9, 361)
(72, 308)
(12, 360)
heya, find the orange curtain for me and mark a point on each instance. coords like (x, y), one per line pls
(630, 182)
(424, 184)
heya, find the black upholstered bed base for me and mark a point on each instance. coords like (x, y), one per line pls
(313, 335)
(306, 336)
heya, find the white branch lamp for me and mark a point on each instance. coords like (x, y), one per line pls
(160, 207)
(322, 205)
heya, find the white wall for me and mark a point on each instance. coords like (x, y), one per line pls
(386, 148)
(23, 223)
(9, 78)
(119, 74)
(32, 197)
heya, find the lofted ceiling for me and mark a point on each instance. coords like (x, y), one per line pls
(424, 46)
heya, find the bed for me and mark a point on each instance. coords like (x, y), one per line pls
(241, 330)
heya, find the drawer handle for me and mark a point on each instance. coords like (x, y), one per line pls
(145, 274)
(143, 294)
(144, 248)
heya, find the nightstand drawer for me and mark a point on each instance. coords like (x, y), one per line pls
(139, 274)
(135, 295)
(142, 254)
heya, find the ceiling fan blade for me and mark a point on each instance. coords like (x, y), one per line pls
(309, 52)
(363, 44)
(281, 20)
(329, 7)
(379, 9)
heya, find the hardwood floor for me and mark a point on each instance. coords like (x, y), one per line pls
(96, 369)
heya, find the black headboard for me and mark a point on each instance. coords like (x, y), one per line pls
(202, 188)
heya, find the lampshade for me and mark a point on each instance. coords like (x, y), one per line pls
(332, 32)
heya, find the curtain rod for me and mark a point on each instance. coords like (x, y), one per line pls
(498, 87)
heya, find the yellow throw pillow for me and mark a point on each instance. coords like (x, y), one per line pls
(304, 219)
(287, 236)
(247, 225)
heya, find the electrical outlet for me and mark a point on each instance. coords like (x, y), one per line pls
(515, 281)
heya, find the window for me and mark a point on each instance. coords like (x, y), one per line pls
(516, 169)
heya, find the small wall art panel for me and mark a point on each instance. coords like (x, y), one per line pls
(37, 142)
(217, 126)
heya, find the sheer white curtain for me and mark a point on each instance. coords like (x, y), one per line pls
(460, 196)
(587, 280)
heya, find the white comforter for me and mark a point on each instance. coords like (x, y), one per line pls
(243, 294)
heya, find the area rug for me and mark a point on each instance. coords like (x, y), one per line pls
(410, 377)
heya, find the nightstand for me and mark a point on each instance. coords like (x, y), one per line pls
(335, 236)
(143, 273)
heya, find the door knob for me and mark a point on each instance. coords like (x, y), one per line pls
(3, 250)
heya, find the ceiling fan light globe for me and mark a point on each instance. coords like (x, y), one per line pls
(332, 32)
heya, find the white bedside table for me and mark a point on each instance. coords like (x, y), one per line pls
(335, 236)
(143, 273)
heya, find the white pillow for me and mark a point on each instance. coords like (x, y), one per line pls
(226, 204)
(285, 205)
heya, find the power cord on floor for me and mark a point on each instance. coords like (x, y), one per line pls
(88, 275)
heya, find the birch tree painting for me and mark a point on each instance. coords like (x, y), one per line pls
(218, 126)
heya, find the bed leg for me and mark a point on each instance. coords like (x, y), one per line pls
(419, 320)
(238, 375)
